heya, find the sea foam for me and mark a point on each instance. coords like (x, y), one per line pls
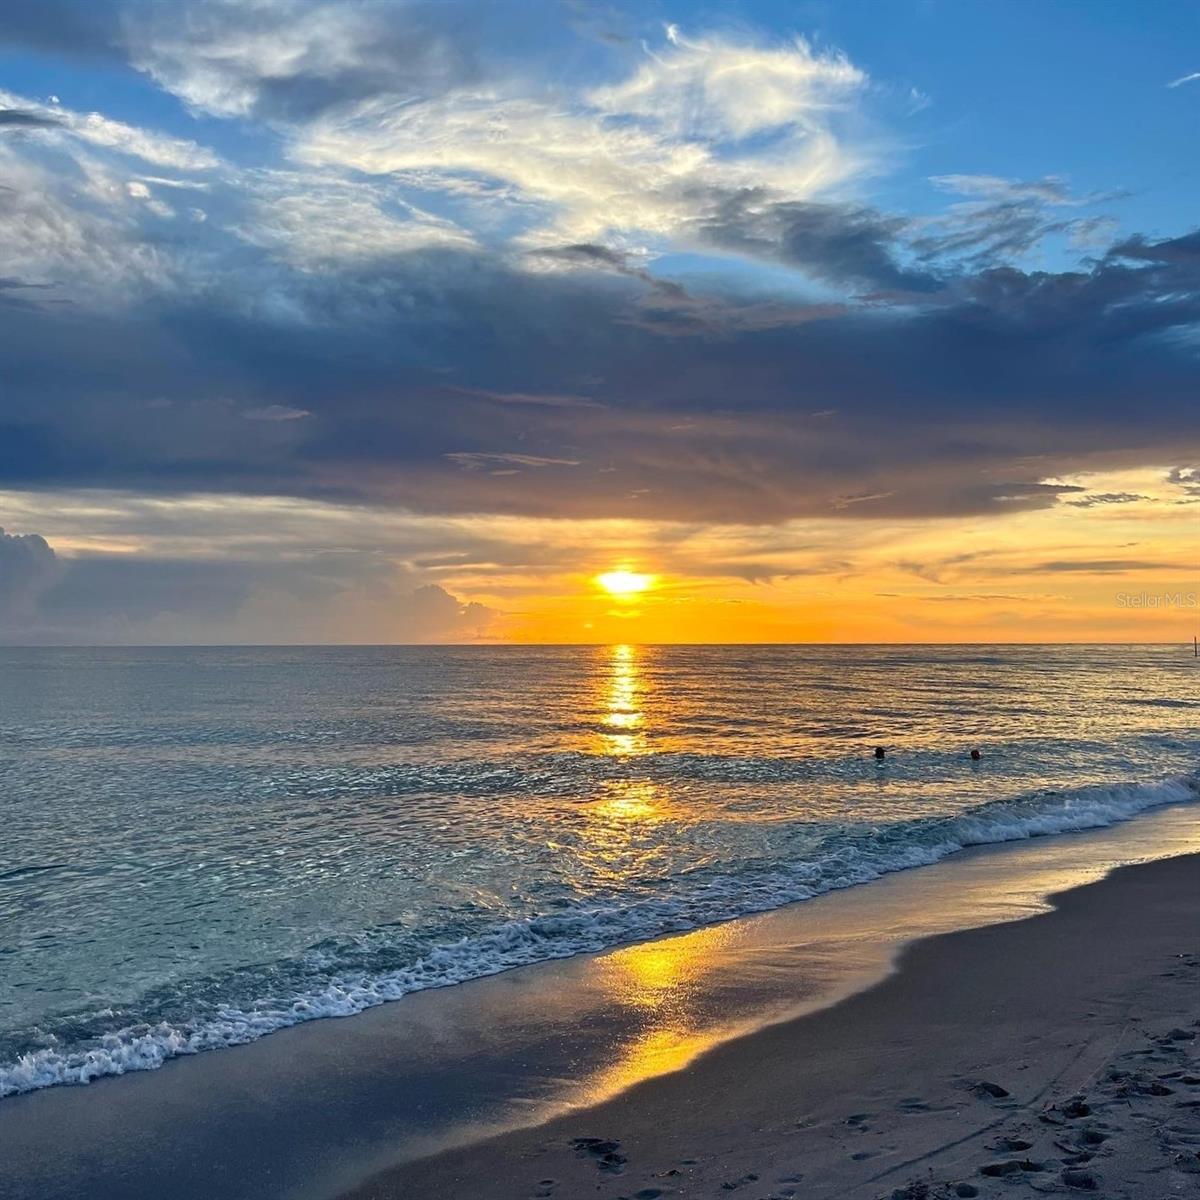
(859, 855)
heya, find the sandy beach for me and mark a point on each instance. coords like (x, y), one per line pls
(1056, 1054)
(805, 1052)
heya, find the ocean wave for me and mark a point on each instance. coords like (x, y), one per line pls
(852, 854)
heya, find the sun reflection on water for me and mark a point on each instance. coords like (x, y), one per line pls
(655, 982)
(622, 702)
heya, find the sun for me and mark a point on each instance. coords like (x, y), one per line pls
(624, 583)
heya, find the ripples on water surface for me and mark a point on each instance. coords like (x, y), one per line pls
(200, 846)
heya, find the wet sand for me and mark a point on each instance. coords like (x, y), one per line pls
(785, 1047)
(1056, 1054)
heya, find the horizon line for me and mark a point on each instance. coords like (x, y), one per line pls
(485, 645)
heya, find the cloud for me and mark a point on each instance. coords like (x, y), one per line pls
(435, 613)
(276, 412)
(427, 363)
(341, 596)
(453, 296)
(1191, 78)
(836, 243)
(631, 157)
(58, 225)
(28, 567)
(322, 221)
(19, 118)
(1187, 478)
(86, 30)
(1003, 220)
(1050, 190)
(95, 129)
(1178, 251)
(537, 399)
(291, 60)
(718, 89)
(1104, 566)
(475, 460)
(1107, 498)
(605, 258)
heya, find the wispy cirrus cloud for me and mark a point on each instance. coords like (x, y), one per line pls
(633, 158)
(95, 129)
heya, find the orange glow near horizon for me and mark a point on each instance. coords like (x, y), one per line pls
(1115, 562)
(1121, 569)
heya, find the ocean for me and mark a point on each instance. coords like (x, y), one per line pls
(201, 846)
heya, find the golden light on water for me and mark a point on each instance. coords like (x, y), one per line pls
(631, 801)
(622, 702)
(624, 584)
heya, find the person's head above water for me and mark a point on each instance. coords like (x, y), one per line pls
(879, 752)
(975, 755)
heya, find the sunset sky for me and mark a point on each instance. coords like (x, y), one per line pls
(376, 321)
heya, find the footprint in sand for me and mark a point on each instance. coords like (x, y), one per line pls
(1012, 1166)
(731, 1185)
(1011, 1145)
(992, 1091)
(607, 1153)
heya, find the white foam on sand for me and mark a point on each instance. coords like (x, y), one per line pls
(869, 854)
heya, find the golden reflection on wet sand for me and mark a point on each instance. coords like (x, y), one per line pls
(681, 990)
(662, 983)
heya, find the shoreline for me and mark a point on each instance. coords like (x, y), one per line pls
(314, 1111)
(1059, 1051)
(151, 1045)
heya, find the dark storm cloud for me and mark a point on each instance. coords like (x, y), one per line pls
(406, 370)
